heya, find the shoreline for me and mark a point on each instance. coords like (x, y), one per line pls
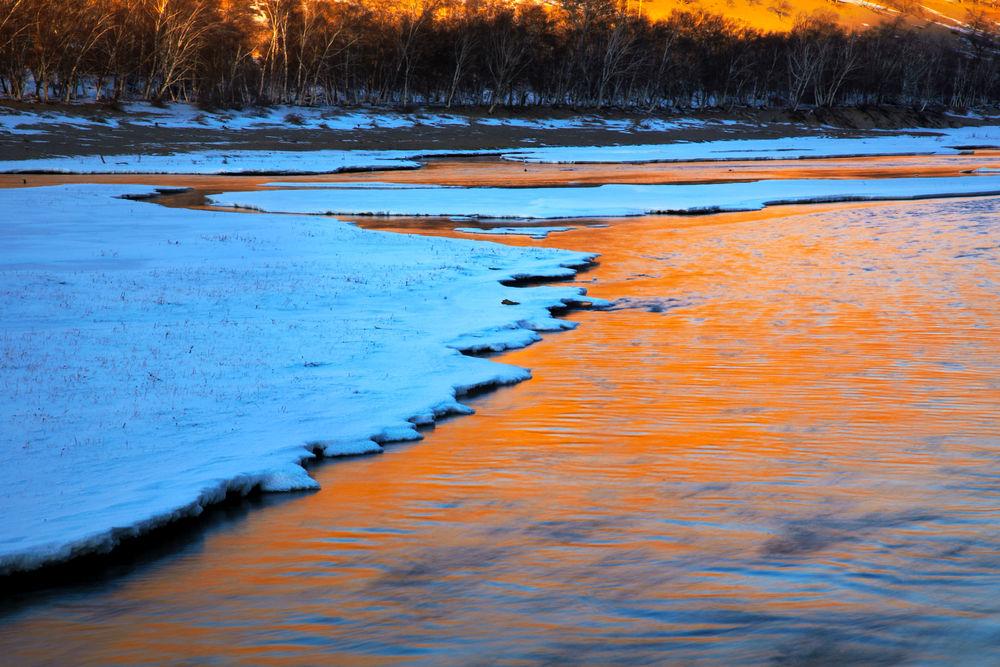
(467, 338)
(157, 540)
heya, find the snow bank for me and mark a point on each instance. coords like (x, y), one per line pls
(601, 201)
(154, 359)
(942, 142)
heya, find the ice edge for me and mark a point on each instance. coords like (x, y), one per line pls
(294, 476)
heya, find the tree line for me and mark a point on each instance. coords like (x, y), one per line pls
(575, 53)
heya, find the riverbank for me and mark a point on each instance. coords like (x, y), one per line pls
(34, 131)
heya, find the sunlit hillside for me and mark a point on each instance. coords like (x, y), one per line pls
(781, 14)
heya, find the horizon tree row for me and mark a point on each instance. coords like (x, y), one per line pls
(577, 53)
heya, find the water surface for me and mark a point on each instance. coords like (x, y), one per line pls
(781, 446)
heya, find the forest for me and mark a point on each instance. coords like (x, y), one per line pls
(589, 54)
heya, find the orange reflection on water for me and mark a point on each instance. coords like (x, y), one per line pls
(782, 446)
(490, 171)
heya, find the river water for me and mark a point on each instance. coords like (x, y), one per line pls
(782, 446)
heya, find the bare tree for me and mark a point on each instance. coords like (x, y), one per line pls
(592, 53)
(619, 42)
(179, 30)
(93, 21)
(14, 26)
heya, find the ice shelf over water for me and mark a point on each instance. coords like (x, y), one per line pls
(154, 359)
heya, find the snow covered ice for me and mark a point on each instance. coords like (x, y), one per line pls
(600, 201)
(154, 359)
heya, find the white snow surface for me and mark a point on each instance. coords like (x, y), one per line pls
(903, 142)
(601, 201)
(153, 359)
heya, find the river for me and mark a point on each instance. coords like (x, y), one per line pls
(781, 446)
